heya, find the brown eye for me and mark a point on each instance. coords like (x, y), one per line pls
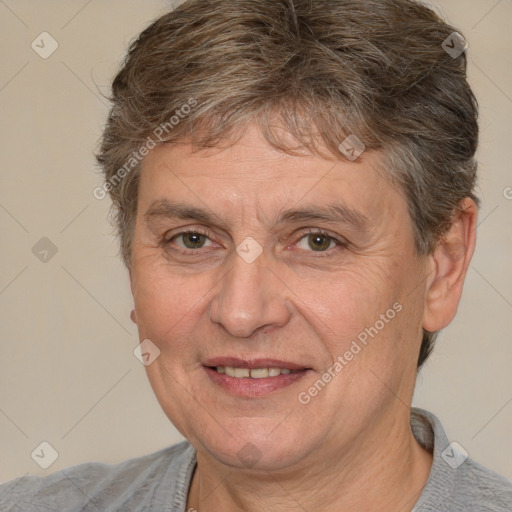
(191, 240)
(321, 243)
(316, 242)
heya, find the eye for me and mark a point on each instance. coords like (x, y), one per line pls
(190, 240)
(311, 241)
(319, 241)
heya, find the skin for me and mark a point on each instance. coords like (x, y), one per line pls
(351, 447)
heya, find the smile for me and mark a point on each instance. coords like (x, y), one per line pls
(255, 373)
(253, 382)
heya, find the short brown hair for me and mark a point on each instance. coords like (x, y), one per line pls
(324, 69)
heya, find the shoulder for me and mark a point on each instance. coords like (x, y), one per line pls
(478, 488)
(456, 482)
(94, 485)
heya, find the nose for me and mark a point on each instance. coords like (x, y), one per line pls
(249, 297)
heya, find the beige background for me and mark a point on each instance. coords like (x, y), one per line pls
(67, 372)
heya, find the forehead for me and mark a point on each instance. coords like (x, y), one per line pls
(251, 175)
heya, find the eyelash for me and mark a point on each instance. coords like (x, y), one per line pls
(319, 254)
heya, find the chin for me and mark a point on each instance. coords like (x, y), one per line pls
(258, 451)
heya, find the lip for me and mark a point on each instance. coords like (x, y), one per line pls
(253, 388)
(254, 363)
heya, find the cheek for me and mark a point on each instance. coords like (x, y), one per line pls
(351, 302)
(167, 305)
(168, 308)
(369, 320)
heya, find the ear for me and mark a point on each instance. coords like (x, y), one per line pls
(133, 316)
(450, 262)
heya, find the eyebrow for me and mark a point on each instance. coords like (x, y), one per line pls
(338, 213)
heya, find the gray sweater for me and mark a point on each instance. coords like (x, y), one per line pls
(159, 482)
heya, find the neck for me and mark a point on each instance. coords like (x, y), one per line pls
(385, 469)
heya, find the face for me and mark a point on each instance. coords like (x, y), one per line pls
(248, 258)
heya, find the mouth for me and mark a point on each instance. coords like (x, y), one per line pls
(254, 373)
(253, 378)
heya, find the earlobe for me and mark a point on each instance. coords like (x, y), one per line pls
(450, 259)
(133, 316)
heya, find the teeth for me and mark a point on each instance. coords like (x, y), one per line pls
(255, 373)
(241, 372)
(228, 370)
(259, 373)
